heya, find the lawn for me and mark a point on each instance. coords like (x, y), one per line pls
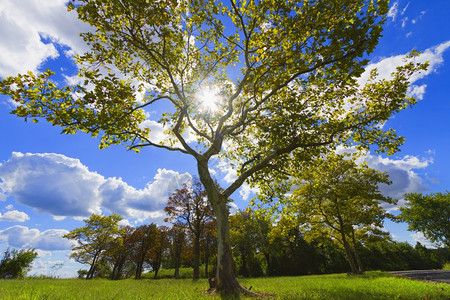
(373, 285)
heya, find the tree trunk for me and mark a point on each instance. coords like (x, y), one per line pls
(347, 247)
(226, 278)
(206, 257)
(226, 281)
(348, 252)
(90, 273)
(355, 251)
(197, 255)
(178, 251)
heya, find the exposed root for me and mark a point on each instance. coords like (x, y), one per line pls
(247, 292)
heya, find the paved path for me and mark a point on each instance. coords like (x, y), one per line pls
(428, 275)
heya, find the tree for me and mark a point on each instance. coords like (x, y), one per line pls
(177, 237)
(143, 239)
(190, 206)
(249, 232)
(429, 214)
(118, 252)
(208, 244)
(93, 239)
(158, 249)
(274, 81)
(339, 198)
(16, 263)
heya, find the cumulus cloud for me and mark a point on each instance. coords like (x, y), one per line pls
(23, 237)
(402, 172)
(149, 202)
(14, 216)
(434, 55)
(51, 183)
(63, 187)
(24, 24)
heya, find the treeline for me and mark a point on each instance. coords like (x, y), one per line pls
(260, 248)
(332, 222)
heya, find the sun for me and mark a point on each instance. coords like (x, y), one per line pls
(209, 99)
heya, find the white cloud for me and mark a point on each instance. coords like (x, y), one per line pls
(51, 183)
(23, 23)
(63, 187)
(434, 55)
(418, 237)
(402, 172)
(14, 216)
(149, 202)
(23, 237)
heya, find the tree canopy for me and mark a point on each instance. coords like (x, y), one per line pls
(93, 239)
(429, 214)
(266, 85)
(336, 197)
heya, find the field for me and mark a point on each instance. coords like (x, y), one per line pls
(373, 285)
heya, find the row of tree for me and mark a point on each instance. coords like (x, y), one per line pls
(260, 248)
(333, 217)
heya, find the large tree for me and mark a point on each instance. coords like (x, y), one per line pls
(189, 205)
(93, 239)
(338, 198)
(262, 84)
(429, 214)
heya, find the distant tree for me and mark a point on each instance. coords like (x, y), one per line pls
(143, 238)
(338, 198)
(16, 263)
(429, 214)
(118, 252)
(93, 239)
(158, 249)
(177, 237)
(249, 233)
(190, 206)
(209, 245)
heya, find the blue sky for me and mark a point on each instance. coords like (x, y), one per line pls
(50, 181)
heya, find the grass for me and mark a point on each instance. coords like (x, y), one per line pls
(373, 285)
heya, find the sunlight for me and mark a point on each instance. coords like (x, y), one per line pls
(209, 99)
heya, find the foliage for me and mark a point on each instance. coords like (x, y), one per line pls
(249, 233)
(429, 214)
(336, 197)
(93, 239)
(16, 263)
(284, 74)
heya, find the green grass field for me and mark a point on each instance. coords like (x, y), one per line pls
(373, 285)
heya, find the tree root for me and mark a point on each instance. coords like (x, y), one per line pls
(244, 291)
